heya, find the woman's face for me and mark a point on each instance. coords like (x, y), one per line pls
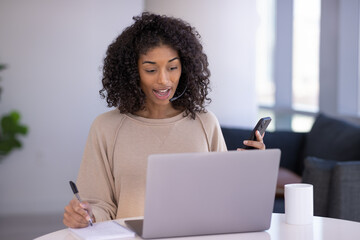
(160, 71)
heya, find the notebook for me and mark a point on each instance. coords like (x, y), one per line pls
(191, 194)
(103, 231)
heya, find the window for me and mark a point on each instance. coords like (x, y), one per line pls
(287, 62)
(305, 62)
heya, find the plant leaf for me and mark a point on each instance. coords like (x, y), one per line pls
(15, 116)
(5, 147)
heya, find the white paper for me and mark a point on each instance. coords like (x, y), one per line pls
(103, 231)
(299, 204)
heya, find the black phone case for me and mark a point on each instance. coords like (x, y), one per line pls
(261, 125)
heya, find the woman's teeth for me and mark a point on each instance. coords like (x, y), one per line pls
(162, 93)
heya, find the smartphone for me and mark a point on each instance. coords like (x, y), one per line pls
(261, 126)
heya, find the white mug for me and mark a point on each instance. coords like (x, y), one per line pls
(299, 203)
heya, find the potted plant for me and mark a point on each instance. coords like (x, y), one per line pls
(10, 129)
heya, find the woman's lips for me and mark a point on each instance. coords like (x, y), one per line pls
(162, 94)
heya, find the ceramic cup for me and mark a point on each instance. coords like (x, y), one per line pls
(299, 203)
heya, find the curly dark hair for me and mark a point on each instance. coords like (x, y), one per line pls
(121, 79)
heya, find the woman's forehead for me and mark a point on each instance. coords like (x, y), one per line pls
(162, 51)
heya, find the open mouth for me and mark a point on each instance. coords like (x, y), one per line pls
(162, 93)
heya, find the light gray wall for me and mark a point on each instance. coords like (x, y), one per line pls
(348, 57)
(339, 59)
(228, 30)
(54, 51)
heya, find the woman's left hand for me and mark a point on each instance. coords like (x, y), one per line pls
(259, 144)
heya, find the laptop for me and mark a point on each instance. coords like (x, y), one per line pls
(190, 194)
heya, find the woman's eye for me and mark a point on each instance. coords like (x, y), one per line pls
(173, 68)
(150, 70)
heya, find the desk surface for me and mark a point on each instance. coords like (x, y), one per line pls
(322, 228)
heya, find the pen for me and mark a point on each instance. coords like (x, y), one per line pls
(76, 193)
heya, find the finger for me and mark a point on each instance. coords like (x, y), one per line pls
(247, 143)
(255, 144)
(258, 136)
(259, 145)
(77, 212)
(72, 218)
(80, 208)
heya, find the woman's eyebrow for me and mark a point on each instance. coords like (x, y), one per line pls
(174, 59)
(150, 62)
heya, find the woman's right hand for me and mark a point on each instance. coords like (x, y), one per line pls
(77, 215)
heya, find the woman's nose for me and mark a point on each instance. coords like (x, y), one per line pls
(163, 77)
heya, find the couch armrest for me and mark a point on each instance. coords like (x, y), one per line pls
(345, 191)
(336, 187)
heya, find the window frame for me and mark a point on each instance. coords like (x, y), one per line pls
(339, 53)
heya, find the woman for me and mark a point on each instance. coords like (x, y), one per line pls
(156, 75)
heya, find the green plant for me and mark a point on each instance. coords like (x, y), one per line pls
(10, 129)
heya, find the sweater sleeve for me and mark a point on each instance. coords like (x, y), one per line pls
(95, 179)
(215, 138)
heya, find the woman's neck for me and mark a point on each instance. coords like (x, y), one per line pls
(158, 113)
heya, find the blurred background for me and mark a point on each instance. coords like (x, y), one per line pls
(288, 59)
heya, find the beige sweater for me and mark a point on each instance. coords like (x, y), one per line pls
(113, 169)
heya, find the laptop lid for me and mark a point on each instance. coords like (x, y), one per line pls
(209, 193)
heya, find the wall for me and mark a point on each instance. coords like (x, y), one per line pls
(339, 59)
(228, 31)
(53, 50)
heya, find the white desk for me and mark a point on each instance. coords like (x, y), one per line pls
(322, 229)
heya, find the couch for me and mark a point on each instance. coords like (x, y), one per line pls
(328, 156)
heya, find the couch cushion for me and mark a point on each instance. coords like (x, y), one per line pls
(291, 145)
(334, 139)
(234, 137)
